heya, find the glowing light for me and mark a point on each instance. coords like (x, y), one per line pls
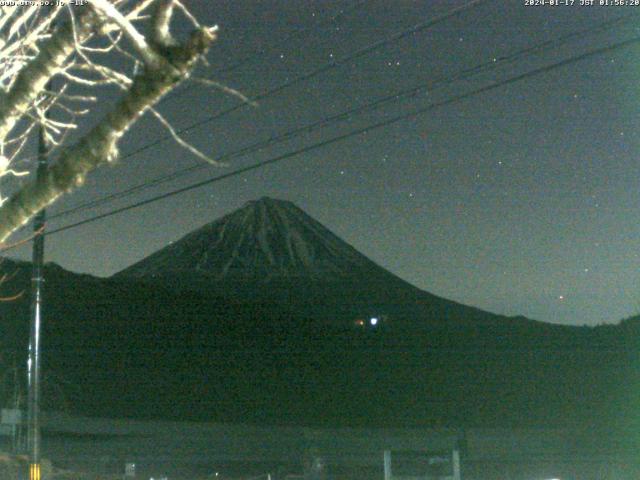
(374, 321)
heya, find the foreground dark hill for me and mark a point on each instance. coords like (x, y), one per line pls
(161, 340)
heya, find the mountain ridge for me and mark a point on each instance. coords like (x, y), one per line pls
(264, 239)
(287, 349)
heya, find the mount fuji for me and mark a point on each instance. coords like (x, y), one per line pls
(267, 239)
(272, 251)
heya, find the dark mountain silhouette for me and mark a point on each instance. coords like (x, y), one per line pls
(254, 318)
(267, 239)
(270, 251)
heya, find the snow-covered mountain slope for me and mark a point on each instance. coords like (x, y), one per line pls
(266, 239)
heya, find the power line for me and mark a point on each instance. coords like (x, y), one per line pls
(284, 42)
(327, 121)
(332, 64)
(369, 128)
(318, 71)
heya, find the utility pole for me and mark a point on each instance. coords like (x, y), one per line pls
(37, 281)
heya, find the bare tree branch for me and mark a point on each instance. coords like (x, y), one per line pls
(99, 146)
(122, 43)
(31, 81)
(111, 13)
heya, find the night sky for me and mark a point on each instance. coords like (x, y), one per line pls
(519, 200)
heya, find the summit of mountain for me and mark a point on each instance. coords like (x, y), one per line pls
(266, 239)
